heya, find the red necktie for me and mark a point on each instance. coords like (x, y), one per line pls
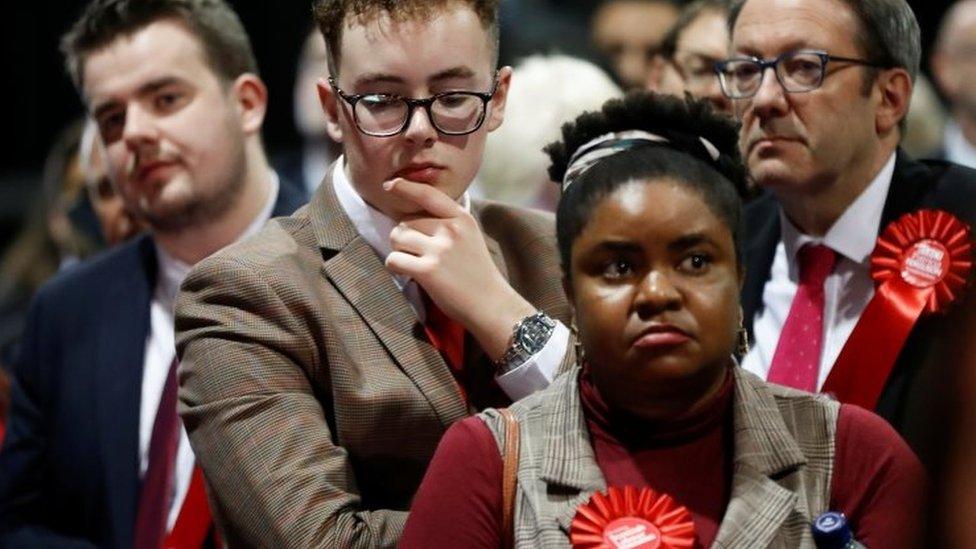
(447, 336)
(796, 362)
(157, 486)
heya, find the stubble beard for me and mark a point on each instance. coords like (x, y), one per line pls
(202, 209)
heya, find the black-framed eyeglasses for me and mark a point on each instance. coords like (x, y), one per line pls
(797, 71)
(386, 115)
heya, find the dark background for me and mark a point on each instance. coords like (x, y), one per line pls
(38, 100)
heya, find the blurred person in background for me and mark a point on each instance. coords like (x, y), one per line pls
(954, 70)
(698, 39)
(546, 92)
(629, 34)
(60, 229)
(926, 120)
(308, 164)
(116, 222)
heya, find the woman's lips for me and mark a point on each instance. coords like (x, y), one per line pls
(659, 338)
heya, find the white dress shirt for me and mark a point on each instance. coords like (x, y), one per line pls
(375, 227)
(847, 290)
(957, 148)
(160, 352)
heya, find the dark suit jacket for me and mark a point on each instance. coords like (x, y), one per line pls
(313, 399)
(918, 381)
(69, 467)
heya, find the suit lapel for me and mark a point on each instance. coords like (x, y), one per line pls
(907, 189)
(119, 366)
(358, 274)
(764, 450)
(764, 235)
(568, 462)
(757, 509)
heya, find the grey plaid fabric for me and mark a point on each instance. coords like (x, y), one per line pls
(783, 460)
(313, 399)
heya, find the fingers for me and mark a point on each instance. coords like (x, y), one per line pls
(404, 238)
(425, 197)
(402, 263)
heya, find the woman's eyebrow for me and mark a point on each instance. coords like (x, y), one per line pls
(615, 246)
(689, 241)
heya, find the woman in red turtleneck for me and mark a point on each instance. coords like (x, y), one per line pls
(649, 229)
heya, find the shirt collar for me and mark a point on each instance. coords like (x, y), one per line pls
(855, 232)
(957, 148)
(373, 225)
(172, 271)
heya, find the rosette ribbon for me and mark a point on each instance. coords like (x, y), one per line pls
(921, 265)
(627, 518)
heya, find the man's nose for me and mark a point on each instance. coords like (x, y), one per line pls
(420, 128)
(140, 126)
(770, 97)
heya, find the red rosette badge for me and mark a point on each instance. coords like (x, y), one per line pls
(927, 253)
(631, 519)
(921, 265)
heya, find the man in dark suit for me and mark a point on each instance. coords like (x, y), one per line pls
(324, 359)
(820, 133)
(95, 454)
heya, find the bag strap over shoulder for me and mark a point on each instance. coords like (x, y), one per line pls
(510, 462)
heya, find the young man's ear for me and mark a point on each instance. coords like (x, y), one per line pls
(496, 108)
(329, 100)
(251, 96)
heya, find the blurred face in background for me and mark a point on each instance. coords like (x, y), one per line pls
(313, 66)
(629, 34)
(699, 46)
(954, 62)
(116, 223)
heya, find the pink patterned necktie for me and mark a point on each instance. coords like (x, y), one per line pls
(796, 362)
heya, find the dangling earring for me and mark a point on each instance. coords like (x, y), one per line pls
(742, 348)
(577, 344)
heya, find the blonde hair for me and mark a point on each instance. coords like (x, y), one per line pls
(546, 92)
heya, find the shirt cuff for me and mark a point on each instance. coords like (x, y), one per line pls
(537, 372)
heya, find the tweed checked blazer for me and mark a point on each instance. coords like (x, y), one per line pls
(312, 397)
(782, 464)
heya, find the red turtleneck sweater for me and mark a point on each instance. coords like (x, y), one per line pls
(877, 481)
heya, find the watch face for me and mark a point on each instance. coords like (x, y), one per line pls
(533, 335)
(531, 338)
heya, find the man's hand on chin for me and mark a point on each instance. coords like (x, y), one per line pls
(443, 250)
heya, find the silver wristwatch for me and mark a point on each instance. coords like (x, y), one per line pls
(529, 336)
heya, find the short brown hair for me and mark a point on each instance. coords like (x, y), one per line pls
(331, 15)
(226, 46)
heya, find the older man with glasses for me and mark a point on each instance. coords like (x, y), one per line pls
(822, 88)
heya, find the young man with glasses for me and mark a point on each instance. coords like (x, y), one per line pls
(822, 88)
(324, 359)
